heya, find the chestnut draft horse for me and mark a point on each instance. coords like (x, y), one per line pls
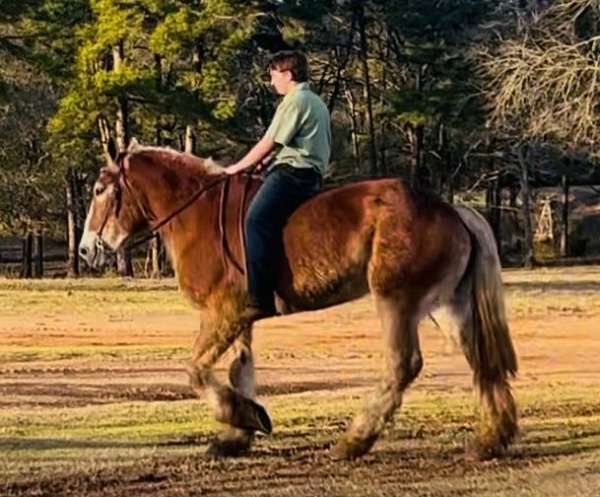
(414, 253)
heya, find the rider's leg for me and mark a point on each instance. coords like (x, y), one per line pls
(284, 189)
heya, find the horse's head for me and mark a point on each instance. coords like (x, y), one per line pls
(123, 191)
(113, 215)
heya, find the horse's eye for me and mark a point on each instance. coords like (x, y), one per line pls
(99, 190)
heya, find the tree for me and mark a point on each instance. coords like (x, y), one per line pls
(547, 73)
(35, 46)
(155, 70)
(539, 80)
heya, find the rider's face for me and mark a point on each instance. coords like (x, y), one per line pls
(281, 81)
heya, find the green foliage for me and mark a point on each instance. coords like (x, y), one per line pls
(180, 61)
(202, 63)
(442, 22)
(432, 38)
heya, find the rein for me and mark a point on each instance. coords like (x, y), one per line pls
(225, 179)
(152, 231)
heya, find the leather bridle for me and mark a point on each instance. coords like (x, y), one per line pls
(117, 202)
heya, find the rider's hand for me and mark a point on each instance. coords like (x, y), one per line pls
(234, 169)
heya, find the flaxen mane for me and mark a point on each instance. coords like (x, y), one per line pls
(183, 161)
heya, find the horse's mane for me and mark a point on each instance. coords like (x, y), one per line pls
(181, 161)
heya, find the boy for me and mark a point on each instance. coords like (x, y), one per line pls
(301, 130)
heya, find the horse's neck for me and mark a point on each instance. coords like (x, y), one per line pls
(205, 242)
(165, 190)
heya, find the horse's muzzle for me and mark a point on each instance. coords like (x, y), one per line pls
(92, 251)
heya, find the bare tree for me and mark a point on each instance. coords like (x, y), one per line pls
(547, 75)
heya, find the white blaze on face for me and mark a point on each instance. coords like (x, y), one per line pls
(87, 245)
(100, 218)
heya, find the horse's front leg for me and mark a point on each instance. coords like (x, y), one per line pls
(233, 441)
(233, 406)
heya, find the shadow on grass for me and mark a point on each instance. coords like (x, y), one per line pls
(41, 444)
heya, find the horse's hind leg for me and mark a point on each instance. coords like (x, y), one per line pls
(237, 441)
(450, 319)
(403, 362)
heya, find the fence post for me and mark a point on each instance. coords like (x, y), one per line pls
(27, 255)
(39, 254)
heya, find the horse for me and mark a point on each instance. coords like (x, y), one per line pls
(414, 253)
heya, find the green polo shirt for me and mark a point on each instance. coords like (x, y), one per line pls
(302, 127)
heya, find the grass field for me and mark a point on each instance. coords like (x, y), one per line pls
(94, 399)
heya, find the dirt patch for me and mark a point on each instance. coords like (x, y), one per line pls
(303, 360)
(399, 467)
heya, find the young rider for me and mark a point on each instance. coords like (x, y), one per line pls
(300, 134)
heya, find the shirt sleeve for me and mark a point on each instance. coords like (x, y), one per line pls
(286, 123)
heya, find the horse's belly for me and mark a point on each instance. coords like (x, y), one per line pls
(318, 287)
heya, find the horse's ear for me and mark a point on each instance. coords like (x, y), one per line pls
(133, 145)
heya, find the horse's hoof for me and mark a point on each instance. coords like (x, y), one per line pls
(219, 448)
(241, 412)
(262, 421)
(349, 450)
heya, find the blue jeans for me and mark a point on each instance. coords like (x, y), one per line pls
(283, 190)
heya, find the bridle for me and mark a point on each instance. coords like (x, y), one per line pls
(117, 203)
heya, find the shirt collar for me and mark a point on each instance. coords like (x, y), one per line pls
(298, 87)
(301, 86)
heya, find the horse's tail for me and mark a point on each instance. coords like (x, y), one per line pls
(489, 347)
(486, 339)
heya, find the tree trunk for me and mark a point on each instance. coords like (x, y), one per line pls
(72, 225)
(106, 141)
(353, 130)
(492, 201)
(154, 264)
(156, 249)
(124, 264)
(497, 214)
(441, 174)
(528, 255)
(27, 255)
(564, 231)
(383, 165)
(122, 123)
(39, 254)
(190, 140)
(337, 84)
(416, 141)
(368, 94)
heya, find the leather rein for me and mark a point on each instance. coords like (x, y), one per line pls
(152, 231)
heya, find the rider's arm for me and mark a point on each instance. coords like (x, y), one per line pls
(256, 154)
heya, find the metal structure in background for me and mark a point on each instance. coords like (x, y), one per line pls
(545, 225)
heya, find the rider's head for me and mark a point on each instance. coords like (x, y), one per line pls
(288, 68)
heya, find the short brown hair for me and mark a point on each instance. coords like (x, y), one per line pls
(293, 61)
